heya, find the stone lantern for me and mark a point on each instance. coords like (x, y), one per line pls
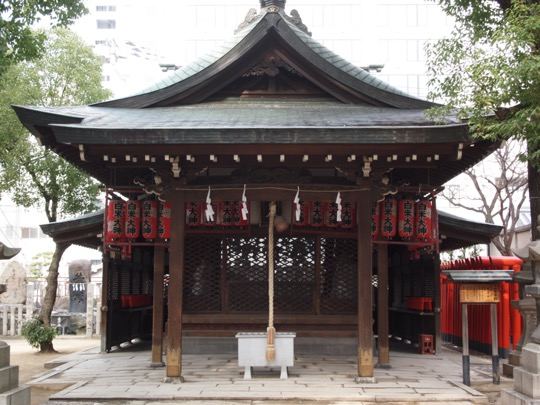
(527, 377)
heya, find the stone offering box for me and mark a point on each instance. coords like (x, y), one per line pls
(252, 351)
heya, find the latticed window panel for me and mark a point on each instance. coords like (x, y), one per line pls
(247, 274)
(202, 274)
(338, 283)
(294, 274)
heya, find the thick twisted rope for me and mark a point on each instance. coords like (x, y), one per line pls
(271, 331)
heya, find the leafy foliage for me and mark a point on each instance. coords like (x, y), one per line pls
(37, 334)
(68, 73)
(18, 42)
(489, 69)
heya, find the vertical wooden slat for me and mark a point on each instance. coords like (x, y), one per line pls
(382, 306)
(19, 319)
(176, 272)
(494, 345)
(465, 343)
(364, 270)
(224, 291)
(437, 301)
(12, 320)
(157, 309)
(104, 309)
(318, 264)
(89, 309)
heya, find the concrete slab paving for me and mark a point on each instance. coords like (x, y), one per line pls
(128, 377)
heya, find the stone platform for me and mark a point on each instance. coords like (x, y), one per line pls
(91, 377)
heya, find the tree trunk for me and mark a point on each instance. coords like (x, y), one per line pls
(52, 286)
(46, 347)
(534, 196)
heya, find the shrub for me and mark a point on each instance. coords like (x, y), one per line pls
(37, 334)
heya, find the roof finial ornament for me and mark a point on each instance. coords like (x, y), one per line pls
(273, 6)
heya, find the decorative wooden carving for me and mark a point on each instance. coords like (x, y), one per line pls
(270, 66)
(295, 19)
(250, 17)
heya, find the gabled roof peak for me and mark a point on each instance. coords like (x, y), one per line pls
(273, 3)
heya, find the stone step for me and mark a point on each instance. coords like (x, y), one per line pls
(16, 396)
(9, 378)
(4, 354)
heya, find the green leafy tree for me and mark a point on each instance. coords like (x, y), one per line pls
(40, 264)
(489, 71)
(68, 73)
(18, 42)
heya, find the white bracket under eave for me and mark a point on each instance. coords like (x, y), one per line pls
(81, 153)
(460, 151)
(366, 169)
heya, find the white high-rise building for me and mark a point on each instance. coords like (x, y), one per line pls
(135, 36)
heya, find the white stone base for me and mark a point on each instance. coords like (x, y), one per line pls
(16, 396)
(509, 397)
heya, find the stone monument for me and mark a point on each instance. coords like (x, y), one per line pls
(14, 278)
(79, 277)
(526, 389)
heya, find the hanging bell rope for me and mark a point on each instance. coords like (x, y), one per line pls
(271, 331)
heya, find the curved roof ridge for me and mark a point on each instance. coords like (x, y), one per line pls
(199, 64)
(343, 64)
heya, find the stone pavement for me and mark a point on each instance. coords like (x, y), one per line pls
(127, 376)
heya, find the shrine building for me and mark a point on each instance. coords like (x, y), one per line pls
(272, 152)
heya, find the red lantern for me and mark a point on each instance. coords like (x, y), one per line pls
(389, 218)
(330, 215)
(406, 219)
(193, 214)
(133, 219)
(226, 214)
(375, 218)
(424, 220)
(164, 227)
(348, 215)
(316, 217)
(149, 219)
(115, 220)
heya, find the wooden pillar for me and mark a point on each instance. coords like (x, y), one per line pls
(176, 273)
(382, 306)
(437, 344)
(157, 309)
(104, 307)
(364, 271)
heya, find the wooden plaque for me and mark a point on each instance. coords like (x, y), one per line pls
(479, 293)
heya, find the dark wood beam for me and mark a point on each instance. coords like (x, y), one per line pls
(382, 306)
(176, 272)
(157, 310)
(364, 270)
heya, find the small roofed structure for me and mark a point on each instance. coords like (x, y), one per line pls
(7, 253)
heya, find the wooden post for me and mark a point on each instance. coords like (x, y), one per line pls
(382, 306)
(89, 310)
(98, 309)
(465, 343)
(364, 271)
(104, 309)
(494, 345)
(157, 309)
(437, 301)
(176, 272)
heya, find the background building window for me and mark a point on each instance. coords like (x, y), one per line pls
(106, 24)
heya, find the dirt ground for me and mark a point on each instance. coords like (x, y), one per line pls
(31, 362)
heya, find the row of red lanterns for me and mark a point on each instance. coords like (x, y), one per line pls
(132, 219)
(405, 217)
